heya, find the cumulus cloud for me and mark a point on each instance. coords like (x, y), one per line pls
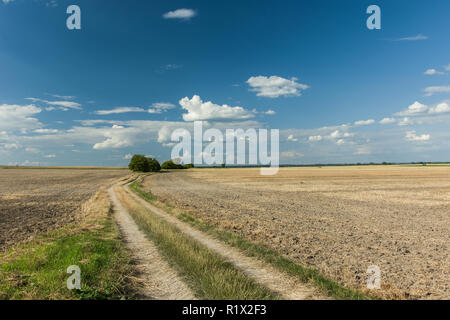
(63, 105)
(447, 67)
(418, 108)
(429, 91)
(270, 112)
(387, 120)
(199, 110)
(412, 136)
(364, 122)
(119, 110)
(128, 156)
(413, 109)
(19, 118)
(431, 72)
(443, 107)
(274, 86)
(184, 14)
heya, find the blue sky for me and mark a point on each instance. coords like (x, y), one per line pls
(309, 68)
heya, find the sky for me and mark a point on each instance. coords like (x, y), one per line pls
(136, 70)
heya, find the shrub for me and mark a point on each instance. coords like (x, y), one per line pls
(143, 164)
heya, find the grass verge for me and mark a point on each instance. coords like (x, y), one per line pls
(37, 270)
(308, 275)
(208, 275)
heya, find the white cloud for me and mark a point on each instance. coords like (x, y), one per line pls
(50, 156)
(161, 107)
(63, 97)
(443, 107)
(19, 118)
(315, 138)
(335, 134)
(291, 154)
(436, 89)
(431, 72)
(447, 67)
(62, 104)
(46, 131)
(164, 135)
(184, 14)
(414, 109)
(10, 146)
(128, 156)
(7, 1)
(405, 122)
(119, 110)
(364, 122)
(411, 136)
(199, 110)
(291, 138)
(270, 112)
(413, 38)
(274, 86)
(387, 120)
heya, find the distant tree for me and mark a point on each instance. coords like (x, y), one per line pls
(223, 165)
(153, 165)
(143, 164)
(171, 165)
(188, 166)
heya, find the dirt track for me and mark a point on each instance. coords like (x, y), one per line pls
(340, 220)
(33, 201)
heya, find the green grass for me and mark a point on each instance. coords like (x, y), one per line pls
(308, 275)
(206, 272)
(37, 270)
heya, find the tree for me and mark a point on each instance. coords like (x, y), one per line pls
(143, 164)
(171, 165)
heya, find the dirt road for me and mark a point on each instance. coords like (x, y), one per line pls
(278, 282)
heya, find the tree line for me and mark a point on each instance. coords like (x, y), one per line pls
(141, 163)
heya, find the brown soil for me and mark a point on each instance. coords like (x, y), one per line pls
(340, 220)
(33, 201)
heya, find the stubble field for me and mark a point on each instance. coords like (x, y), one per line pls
(340, 220)
(34, 201)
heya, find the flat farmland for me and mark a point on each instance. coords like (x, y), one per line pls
(33, 201)
(339, 220)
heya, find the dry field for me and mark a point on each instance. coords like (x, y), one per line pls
(338, 219)
(33, 201)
